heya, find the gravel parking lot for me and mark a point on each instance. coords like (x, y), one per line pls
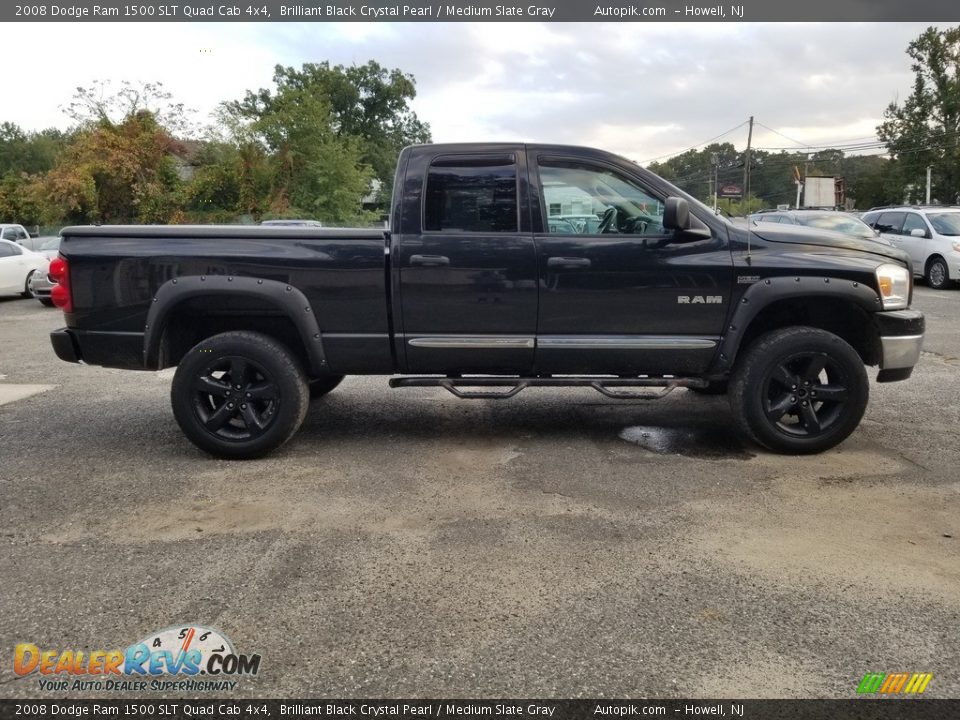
(559, 544)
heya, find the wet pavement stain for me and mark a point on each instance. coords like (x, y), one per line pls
(699, 443)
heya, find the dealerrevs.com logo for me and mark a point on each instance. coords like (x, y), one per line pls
(169, 660)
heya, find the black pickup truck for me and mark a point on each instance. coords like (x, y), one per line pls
(505, 266)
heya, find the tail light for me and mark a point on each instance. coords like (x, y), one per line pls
(60, 293)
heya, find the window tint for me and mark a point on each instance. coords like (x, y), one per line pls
(6, 249)
(913, 222)
(595, 200)
(471, 198)
(9, 234)
(890, 222)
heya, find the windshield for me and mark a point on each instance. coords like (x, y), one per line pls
(846, 224)
(945, 223)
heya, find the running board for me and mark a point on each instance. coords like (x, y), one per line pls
(515, 385)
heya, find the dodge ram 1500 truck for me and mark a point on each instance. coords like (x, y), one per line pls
(482, 285)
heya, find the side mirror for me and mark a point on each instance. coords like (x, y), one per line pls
(918, 232)
(676, 214)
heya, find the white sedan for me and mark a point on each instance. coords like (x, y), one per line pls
(17, 266)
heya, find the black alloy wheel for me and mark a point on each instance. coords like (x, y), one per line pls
(239, 395)
(799, 390)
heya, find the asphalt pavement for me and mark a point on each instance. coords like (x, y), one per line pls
(558, 544)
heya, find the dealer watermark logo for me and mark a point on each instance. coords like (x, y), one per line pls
(169, 660)
(894, 683)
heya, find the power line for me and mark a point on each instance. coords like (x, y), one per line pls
(693, 147)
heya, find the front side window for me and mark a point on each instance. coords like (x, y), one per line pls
(597, 201)
(468, 197)
(913, 222)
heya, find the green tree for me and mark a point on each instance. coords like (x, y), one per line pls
(925, 130)
(367, 107)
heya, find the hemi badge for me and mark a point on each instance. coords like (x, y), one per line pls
(747, 279)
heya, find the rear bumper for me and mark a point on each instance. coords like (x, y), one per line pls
(109, 349)
(64, 346)
(901, 340)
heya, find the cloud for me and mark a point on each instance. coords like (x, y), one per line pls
(640, 89)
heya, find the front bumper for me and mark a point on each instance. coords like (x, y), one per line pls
(901, 340)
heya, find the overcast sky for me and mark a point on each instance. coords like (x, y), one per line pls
(643, 90)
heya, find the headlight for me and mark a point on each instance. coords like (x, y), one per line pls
(894, 284)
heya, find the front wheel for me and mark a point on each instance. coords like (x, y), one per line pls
(938, 277)
(239, 395)
(799, 390)
(27, 290)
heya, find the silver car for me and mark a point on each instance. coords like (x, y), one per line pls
(41, 284)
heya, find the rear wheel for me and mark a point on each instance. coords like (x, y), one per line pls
(799, 390)
(938, 276)
(239, 395)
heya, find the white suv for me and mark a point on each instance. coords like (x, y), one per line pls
(930, 235)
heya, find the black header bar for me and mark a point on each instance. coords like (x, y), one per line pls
(219, 709)
(938, 11)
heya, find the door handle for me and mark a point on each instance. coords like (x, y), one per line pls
(569, 263)
(429, 260)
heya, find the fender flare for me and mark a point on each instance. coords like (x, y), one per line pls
(763, 293)
(291, 301)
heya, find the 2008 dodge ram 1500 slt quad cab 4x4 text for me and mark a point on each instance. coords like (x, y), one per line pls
(477, 287)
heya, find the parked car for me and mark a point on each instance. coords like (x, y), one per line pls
(841, 222)
(16, 233)
(17, 267)
(930, 235)
(41, 284)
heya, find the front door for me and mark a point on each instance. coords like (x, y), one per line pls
(618, 293)
(468, 269)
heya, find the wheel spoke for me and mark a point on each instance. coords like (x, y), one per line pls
(830, 393)
(266, 391)
(220, 417)
(239, 371)
(212, 386)
(782, 375)
(809, 417)
(255, 423)
(814, 368)
(778, 409)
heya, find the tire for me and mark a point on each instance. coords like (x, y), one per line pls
(321, 386)
(205, 391)
(27, 292)
(938, 276)
(779, 384)
(47, 302)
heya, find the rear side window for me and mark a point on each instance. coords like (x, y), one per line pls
(890, 222)
(471, 196)
(8, 249)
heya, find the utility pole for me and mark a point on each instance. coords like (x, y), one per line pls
(928, 184)
(715, 159)
(746, 166)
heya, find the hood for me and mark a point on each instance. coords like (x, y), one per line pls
(800, 235)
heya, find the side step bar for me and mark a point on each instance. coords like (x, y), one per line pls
(517, 384)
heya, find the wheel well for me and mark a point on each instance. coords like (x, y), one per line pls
(196, 319)
(842, 318)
